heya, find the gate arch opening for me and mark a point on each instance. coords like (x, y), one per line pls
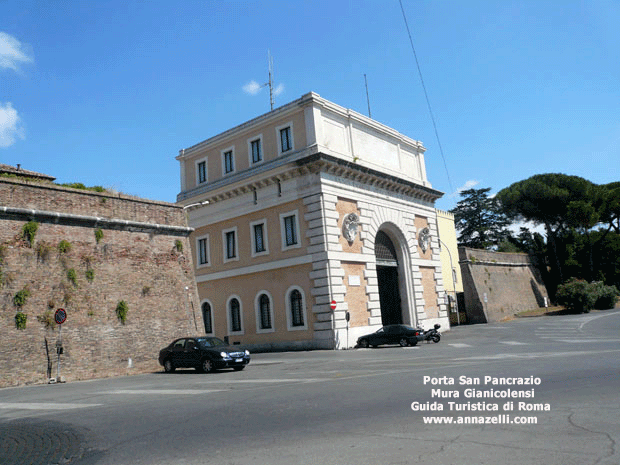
(388, 280)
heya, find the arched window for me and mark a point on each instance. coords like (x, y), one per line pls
(297, 312)
(265, 311)
(235, 315)
(207, 317)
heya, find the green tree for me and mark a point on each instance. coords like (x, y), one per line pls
(560, 202)
(478, 220)
(610, 206)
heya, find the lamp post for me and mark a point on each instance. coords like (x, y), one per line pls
(456, 302)
(197, 204)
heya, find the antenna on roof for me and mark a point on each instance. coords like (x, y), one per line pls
(253, 87)
(270, 83)
(367, 98)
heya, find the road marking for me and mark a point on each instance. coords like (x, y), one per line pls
(594, 317)
(587, 340)
(556, 332)
(513, 343)
(44, 406)
(164, 391)
(459, 345)
(539, 355)
(235, 381)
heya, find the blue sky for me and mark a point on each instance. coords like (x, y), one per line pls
(107, 92)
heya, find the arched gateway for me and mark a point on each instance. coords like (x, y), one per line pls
(388, 280)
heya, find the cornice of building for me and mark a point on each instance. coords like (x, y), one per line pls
(307, 161)
(68, 219)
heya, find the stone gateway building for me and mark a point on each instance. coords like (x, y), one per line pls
(313, 225)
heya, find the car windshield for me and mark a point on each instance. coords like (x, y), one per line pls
(210, 342)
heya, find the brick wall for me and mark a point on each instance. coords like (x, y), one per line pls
(143, 258)
(497, 285)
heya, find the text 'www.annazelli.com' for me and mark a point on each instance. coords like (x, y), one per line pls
(481, 420)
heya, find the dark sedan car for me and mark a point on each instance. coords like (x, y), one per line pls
(203, 353)
(391, 334)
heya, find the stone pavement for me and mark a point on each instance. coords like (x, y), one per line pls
(43, 442)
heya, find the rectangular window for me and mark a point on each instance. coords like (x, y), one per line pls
(203, 256)
(257, 154)
(229, 162)
(259, 243)
(202, 172)
(286, 142)
(231, 246)
(290, 230)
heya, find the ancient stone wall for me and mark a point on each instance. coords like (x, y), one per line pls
(90, 252)
(497, 285)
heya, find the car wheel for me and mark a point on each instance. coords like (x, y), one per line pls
(238, 368)
(436, 338)
(169, 366)
(404, 342)
(207, 365)
(364, 343)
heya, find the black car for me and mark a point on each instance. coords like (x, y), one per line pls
(391, 334)
(203, 353)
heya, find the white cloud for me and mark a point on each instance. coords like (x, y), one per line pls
(278, 90)
(468, 185)
(10, 125)
(12, 52)
(252, 88)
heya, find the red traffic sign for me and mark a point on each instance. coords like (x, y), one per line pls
(60, 316)
(333, 305)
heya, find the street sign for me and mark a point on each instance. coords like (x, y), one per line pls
(333, 305)
(60, 316)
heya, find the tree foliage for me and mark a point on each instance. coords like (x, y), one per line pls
(610, 206)
(557, 201)
(581, 220)
(478, 220)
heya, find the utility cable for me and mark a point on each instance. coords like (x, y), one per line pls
(428, 102)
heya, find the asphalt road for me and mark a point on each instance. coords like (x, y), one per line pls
(348, 407)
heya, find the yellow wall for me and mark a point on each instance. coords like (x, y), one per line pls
(449, 248)
(246, 287)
